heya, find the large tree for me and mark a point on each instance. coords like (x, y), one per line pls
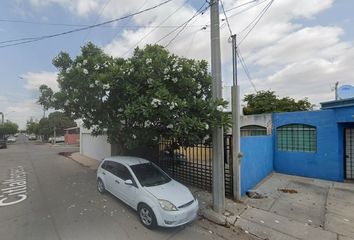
(268, 102)
(136, 101)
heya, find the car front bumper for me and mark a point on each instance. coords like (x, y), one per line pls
(177, 218)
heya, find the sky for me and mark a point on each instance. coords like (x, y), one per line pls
(299, 48)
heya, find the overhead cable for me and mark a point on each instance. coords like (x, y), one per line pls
(83, 28)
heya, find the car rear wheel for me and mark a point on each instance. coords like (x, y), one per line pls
(147, 216)
(100, 186)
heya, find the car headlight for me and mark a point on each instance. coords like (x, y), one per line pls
(166, 205)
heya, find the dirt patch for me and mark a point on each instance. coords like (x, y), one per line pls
(287, 190)
(66, 154)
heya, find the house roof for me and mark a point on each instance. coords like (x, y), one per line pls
(71, 128)
(349, 102)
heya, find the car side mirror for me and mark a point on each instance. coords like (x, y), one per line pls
(129, 182)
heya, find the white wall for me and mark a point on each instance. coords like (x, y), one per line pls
(264, 120)
(94, 147)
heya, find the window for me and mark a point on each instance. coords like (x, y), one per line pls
(122, 172)
(109, 166)
(253, 130)
(296, 138)
(149, 174)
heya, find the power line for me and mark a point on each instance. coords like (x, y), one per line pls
(245, 68)
(242, 11)
(115, 35)
(98, 17)
(241, 5)
(227, 20)
(184, 25)
(42, 23)
(246, 9)
(84, 28)
(146, 35)
(121, 26)
(257, 19)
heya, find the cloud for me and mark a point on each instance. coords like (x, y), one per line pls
(80, 7)
(35, 79)
(20, 111)
(282, 53)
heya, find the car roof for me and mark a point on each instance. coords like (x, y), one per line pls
(130, 161)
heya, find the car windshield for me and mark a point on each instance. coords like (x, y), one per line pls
(150, 175)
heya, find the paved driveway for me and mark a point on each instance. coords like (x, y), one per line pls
(301, 208)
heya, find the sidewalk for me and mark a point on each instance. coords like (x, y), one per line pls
(85, 161)
(292, 208)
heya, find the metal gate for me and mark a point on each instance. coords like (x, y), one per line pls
(193, 165)
(349, 154)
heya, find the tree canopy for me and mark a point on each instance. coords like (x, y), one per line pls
(268, 102)
(8, 128)
(45, 127)
(136, 100)
(32, 127)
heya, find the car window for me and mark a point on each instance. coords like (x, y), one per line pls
(149, 174)
(122, 172)
(109, 166)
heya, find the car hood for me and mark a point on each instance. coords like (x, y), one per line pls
(172, 191)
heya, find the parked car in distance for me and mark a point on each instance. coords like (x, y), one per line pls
(2, 143)
(158, 199)
(32, 137)
(57, 139)
(11, 139)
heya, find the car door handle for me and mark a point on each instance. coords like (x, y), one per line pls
(117, 181)
(103, 173)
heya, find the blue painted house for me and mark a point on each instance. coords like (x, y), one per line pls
(318, 144)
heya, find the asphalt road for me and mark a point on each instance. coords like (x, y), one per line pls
(62, 201)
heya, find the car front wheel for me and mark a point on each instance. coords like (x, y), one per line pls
(100, 186)
(147, 216)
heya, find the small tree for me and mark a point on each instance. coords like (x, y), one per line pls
(45, 98)
(268, 102)
(8, 128)
(32, 127)
(136, 101)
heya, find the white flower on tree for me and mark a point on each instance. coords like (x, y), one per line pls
(169, 126)
(155, 102)
(84, 62)
(220, 108)
(97, 67)
(68, 70)
(105, 86)
(149, 81)
(174, 79)
(148, 60)
(85, 71)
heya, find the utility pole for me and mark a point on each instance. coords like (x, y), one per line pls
(235, 105)
(336, 91)
(218, 133)
(54, 135)
(2, 118)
